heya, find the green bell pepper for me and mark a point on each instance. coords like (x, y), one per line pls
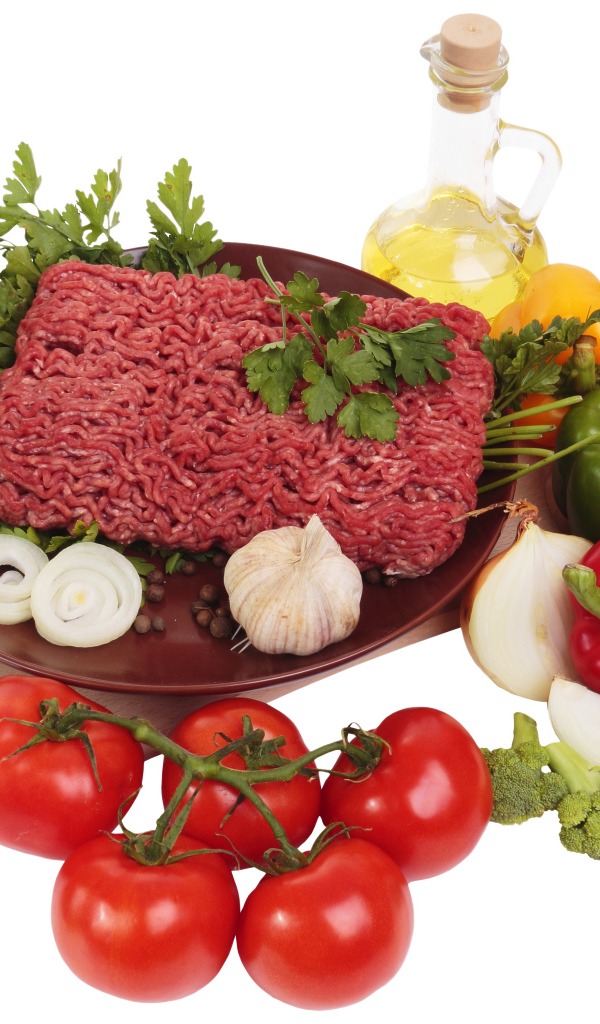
(576, 477)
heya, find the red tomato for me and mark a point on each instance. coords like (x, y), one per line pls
(329, 934)
(553, 418)
(295, 804)
(49, 798)
(428, 801)
(144, 933)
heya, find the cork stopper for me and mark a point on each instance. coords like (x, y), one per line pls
(468, 60)
(471, 42)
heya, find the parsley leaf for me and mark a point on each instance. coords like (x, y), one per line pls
(274, 368)
(370, 414)
(23, 187)
(349, 366)
(322, 397)
(180, 243)
(417, 351)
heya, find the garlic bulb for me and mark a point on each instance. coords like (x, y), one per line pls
(87, 595)
(575, 715)
(293, 590)
(516, 615)
(25, 560)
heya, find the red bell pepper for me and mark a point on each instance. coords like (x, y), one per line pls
(584, 640)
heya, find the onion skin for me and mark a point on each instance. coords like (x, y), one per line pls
(516, 614)
(466, 612)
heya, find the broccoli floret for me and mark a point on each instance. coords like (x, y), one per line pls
(579, 811)
(573, 809)
(521, 789)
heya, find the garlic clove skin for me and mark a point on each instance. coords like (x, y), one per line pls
(516, 614)
(575, 715)
(293, 590)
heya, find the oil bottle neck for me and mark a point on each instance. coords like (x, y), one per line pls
(463, 144)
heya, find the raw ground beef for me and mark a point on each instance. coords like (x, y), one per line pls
(127, 405)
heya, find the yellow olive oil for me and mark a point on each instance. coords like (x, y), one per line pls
(449, 251)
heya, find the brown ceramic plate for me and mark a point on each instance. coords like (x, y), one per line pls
(185, 658)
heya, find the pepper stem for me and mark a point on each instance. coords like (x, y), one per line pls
(582, 582)
(582, 377)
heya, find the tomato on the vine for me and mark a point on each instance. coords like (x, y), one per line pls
(144, 933)
(295, 804)
(329, 934)
(49, 797)
(427, 802)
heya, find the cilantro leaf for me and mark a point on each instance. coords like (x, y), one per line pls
(370, 414)
(273, 369)
(322, 397)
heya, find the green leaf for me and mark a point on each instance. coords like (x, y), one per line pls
(417, 351)
(322, 397)
(348, 366)
(105, 188)
(345, 311)
(369, 414)
(173, 562)
(19, 264)
(304, 294)
(273, 370)
(22, 188)
(181, 244)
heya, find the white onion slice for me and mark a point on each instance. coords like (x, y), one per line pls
(87, 595)
(26, 560)
(575, 715)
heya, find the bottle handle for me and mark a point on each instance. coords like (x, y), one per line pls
(527, 138)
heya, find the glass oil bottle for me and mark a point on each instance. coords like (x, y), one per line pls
(456, 241)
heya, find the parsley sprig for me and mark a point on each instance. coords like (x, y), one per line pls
(326, 356)
(524, 363)
(179, 243)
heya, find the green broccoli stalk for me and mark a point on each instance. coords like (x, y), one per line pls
(522, 790)
(579, 810)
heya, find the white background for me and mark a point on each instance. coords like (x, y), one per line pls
(302, 122)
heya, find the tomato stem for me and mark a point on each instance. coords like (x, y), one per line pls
(264, 763)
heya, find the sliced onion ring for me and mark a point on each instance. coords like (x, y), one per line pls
(26, 560)
(85, 596)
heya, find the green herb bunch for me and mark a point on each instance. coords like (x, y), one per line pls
(524, 363)
(335, 352)
(83, 231)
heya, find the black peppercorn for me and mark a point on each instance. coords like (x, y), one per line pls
(204, 617)
(220, 559)
(155, 576)
(221, 627)
(158, 623)
(209, 593)
(142, 624)
(155, 593)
